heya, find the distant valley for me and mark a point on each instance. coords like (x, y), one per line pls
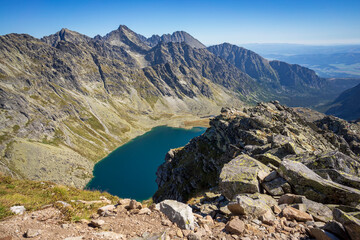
(333, 61)
(67, 100)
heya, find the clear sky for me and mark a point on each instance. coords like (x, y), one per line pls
(210, 21)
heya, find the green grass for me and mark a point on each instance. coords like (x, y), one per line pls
(33, 195)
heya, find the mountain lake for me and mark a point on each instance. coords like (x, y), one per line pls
(130, 170)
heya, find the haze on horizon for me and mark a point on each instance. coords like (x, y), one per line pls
(321, 22)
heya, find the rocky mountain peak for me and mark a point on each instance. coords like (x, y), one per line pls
(65, 35)
(125, 37)
(178, 36)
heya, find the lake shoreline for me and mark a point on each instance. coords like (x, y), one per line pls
(129, 170)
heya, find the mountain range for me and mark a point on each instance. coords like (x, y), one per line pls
(67, 100)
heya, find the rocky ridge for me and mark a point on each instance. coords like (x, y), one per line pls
(271, 161)
(241, 144)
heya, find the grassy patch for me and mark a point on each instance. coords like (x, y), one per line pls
(33, 195)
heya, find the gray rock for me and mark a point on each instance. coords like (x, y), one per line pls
(30, 233)
(319, 211)
(268, 158)
(308, 183)
(240, 175)
(178, 213)
(271, 176)
(274, 187)
(105, 209)
(337, 229)
(340, 177)
(350, 223)
(97, 223)
(18, 209)
(290, 199)
(320, 234)
(247, 206)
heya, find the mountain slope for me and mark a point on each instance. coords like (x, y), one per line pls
(67, 100)
(247, 61)
(347, 106)
(179, 36)
(291, 84)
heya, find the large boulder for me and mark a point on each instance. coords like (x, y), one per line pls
(306, 182)
(337, 229)
(350, 223)
(319, 211)
(247, 206)
(335, 160)
(340, 177)
(178, 213)
(240, 175)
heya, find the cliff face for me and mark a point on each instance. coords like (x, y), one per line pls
(268, 134)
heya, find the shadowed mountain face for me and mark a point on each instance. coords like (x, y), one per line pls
(247, 61)
(347, 106)
(274, 74)
(68, 100)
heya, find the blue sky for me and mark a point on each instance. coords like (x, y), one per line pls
(210, 21)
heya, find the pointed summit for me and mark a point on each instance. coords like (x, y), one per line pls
(125, 37)
(65, 35)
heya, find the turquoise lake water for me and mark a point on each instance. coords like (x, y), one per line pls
(129, 171)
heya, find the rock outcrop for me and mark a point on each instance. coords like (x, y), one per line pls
(314, 159)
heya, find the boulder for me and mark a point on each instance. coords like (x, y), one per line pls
(18, 209)
(337, 229)
(335, 160)
(320, 234)
(276, 187)
(145, 211)
(124, 201)
(134, 205)
(247, 206)
(350, 223)
(97, 223)
(290, 199)
(240, 175)
(267, 158)
(235, 226)
(306, 182)
(271, 176)
(178, 213)
(31, 233)
(106, 209)
(340, 177)
(291, 213)
(319, 211)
